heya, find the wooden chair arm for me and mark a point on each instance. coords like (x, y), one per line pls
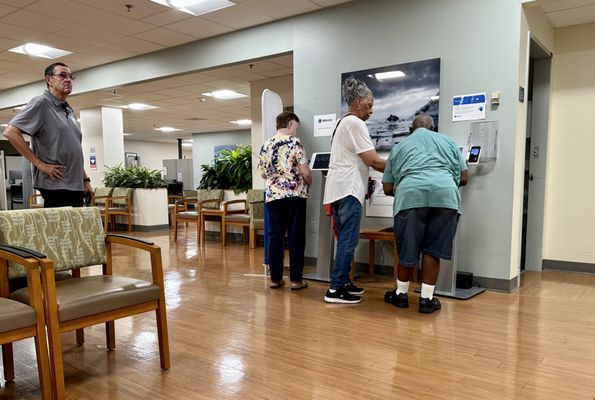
(154, 251)
(201, 203)
(226, 204)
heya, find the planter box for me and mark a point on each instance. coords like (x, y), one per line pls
(149, 207)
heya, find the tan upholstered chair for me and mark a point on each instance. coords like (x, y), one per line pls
(214, 212)
(119, 203)
(101, 194)
(71, 239)
(20, 321)
(194, 206)
(244, 217)
(35, 201)
(256, 206)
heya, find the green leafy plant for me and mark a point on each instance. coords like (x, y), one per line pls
(232, 169)
(133, 177)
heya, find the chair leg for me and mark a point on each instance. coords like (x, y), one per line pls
(110, 335)
(252, 238)
(245, 234)
(162, 335)
(8, 362)
(223, 231)
(80, 336)
(43, 363)
(129, 222)
(202, 229)
(175, 222)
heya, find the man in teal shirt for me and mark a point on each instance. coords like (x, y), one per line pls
(423, 173)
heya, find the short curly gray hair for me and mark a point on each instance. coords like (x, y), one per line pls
(423, 121)
(354, 89)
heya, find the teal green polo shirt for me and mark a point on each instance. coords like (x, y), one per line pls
(425, 169)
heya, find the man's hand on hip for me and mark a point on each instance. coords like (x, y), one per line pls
(54, 171)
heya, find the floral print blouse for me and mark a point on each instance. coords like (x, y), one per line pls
(279, 161)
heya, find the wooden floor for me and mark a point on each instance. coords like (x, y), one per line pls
(233, 338)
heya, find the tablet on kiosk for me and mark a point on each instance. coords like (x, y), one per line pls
(320, 161)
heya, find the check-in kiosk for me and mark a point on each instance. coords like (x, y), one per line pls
(326, 241)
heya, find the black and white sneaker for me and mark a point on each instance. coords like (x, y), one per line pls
(354, 290)
(341, 296)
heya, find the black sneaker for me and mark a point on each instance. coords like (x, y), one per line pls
(341, 296)
(400, 300)
(428, 306)
(354, 290)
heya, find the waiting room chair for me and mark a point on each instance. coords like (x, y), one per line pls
(191, 209)
(101, 194)
(119, 203)
(20, 321)
(244, 217)
(255, 199)
(35, 201)
(71, 239)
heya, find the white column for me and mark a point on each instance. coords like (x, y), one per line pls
(103, 137)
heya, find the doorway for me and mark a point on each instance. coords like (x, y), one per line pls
(538, 100)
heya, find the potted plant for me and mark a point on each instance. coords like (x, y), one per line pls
(149, 199)
(231, 169)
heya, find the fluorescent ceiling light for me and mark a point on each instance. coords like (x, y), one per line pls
(196, 7)
(127, 134)
(382, 76)
(242, 122)
(18, 108)
(187, 144)
(3, 125)
(167, 129)
(40, 50)
(225, 94)
(140, 106)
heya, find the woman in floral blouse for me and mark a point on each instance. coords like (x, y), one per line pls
(284, 165)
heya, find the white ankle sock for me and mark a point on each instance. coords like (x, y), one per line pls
(402, 287)
(427, 291)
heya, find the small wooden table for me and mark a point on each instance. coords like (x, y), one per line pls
(373, 234)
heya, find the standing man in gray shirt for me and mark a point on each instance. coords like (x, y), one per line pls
(57, 155)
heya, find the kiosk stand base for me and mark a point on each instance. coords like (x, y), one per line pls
(461, 294)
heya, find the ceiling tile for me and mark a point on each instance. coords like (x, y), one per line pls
(119, 24)
(4, 10)
(277, 9)
(330, 3)
(558, 5)
(238, 17)
(140, 9)
(16, 3)
(134, 45)
(89, 34)
(199, 29)
(573, 16)
(166, 17)
(39, 21)
(165, 37)
(66, 10)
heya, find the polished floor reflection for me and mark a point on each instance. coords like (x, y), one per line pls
(233, 338)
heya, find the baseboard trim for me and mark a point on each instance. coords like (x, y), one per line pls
(568, 266)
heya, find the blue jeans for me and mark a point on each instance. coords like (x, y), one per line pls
(348, 214)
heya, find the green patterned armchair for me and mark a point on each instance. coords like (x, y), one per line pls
(64, 239)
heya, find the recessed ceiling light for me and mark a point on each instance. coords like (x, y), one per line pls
(140, 106)
(243, 122)
(127, 134)
(382, 76)
(18, 108)
(40, 50)
(196, 7)
(3, 125)
(167, 129)
(435, 98)
(225, 94)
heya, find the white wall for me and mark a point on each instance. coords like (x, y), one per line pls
(570, 199)
(152, 154)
